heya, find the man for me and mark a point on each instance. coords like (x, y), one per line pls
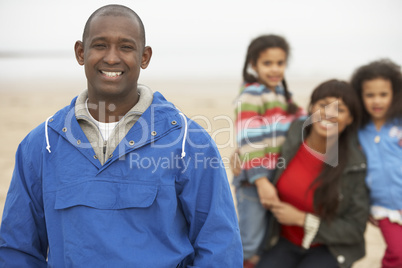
(120, 178)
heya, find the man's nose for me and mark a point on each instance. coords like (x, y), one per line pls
(112, 56)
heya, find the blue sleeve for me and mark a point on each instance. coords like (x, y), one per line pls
(23, 237)
(207, 203)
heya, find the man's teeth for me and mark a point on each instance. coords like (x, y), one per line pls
(112, 74)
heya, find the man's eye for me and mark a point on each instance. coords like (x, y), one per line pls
(127, 47)
(99, 45)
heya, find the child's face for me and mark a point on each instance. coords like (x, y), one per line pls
(270, 67)
(330, 116)
(113, 54)
(377, 97)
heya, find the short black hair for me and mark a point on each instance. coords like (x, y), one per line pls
(114, 10)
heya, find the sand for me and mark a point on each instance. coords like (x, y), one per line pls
(26, 104)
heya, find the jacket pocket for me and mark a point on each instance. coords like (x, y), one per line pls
(101, 194)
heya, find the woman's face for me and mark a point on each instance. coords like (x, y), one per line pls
(330, 116)
(270, 67)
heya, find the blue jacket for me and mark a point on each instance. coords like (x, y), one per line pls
(145, 207)
(384, 161)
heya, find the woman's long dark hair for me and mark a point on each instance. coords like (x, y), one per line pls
(387, 70)
(257, 46)
(326, 195)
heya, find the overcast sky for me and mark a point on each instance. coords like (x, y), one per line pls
(209, 38)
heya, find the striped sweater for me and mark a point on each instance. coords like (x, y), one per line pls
(261, 126)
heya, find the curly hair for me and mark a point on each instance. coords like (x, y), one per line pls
(386, 69)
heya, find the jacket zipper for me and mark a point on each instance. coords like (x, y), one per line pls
(104, 150)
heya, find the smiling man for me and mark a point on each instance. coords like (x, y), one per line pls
(89, 188)
(113, 51)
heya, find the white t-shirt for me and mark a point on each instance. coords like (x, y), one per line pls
(105, 128)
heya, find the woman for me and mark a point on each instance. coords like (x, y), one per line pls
(324, 204)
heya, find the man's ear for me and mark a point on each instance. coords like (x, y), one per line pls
(79, 52)
(146, 57)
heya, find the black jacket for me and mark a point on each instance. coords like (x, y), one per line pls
(344, 235)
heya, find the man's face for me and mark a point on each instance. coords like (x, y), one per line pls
(113, 53)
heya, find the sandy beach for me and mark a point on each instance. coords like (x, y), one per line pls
(210, 103)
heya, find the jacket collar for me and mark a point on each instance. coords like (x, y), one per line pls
(145, 100)
(159, 119)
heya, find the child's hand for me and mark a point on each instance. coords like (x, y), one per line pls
(287, 214)
(235, 163)
(373, 221)
(267, 192)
